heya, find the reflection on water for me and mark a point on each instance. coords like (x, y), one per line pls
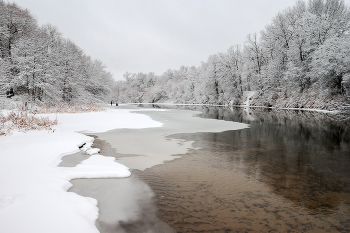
(288, 172)
(125, 205)
(302, 156)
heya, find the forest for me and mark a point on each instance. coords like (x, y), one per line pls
(300, 60)
(39, 65)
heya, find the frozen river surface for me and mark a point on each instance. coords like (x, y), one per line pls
(287, 172)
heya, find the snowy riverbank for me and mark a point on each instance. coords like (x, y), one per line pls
(245, 105)
(33, 195)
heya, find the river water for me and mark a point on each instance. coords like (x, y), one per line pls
(288, 172)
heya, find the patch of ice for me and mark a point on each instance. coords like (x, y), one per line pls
(96, 166)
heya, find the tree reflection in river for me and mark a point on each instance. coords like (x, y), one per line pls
(302, 157)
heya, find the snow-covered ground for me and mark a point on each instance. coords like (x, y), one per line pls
(33, 195)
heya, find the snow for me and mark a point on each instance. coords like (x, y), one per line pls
(247, 96)
(33, 195)
(102, 121)
(243, 106)
(92, 151)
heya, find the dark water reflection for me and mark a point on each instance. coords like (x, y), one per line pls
(288, 172)
(295, 152)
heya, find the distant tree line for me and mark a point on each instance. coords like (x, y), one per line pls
(302, 60)
(39, 64)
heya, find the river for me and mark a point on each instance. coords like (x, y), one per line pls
(288, 172)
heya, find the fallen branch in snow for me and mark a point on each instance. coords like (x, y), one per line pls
(22, 121)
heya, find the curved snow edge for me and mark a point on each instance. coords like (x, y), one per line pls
(33, 195)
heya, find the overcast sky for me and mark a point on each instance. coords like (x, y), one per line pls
(155, 35)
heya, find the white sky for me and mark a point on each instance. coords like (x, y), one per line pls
(155, 35)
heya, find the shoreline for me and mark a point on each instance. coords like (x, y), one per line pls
(141, 149)
(31, 179)
(242, 106)
(153, 146)
(34, 188)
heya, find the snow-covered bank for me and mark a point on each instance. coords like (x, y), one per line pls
(33, 195)
(240, 106)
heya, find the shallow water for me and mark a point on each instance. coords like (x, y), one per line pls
(125, 204)
(288, 172)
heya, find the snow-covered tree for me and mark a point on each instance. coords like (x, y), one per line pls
(37, 62)
(302, 53)
(331, 64)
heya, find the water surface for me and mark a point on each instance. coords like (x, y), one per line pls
(288, 172)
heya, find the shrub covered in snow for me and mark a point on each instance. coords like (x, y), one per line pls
(23, 121)
(68, 108)
(23, 117)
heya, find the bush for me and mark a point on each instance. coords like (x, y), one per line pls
(22, 121)
(68, 108)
